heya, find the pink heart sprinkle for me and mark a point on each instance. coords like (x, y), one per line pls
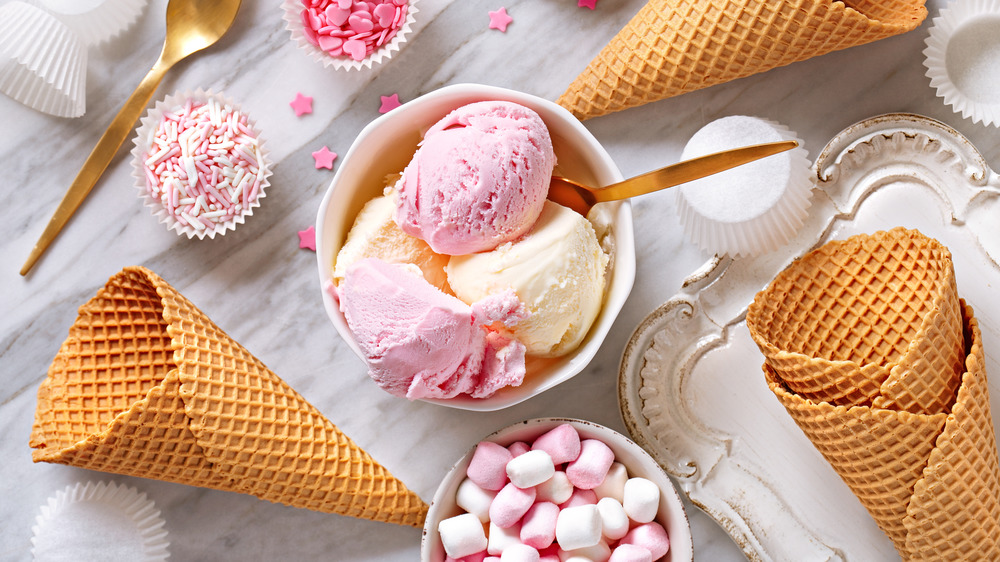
(361, 22)
(355, 48)
(328, 43)
(345, 4)
(385, 14)
(337, 16)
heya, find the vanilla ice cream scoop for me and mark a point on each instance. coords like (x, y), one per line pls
(557, 270)
(479, 178)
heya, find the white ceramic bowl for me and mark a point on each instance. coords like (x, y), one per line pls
(386, 145)
(637, 461)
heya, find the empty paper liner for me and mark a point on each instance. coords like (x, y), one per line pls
(676, 46)
(146, 385)
(859, 343)
(96, 21)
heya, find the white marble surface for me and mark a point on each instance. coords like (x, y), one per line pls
(260, 287)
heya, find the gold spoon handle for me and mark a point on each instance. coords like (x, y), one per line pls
(688, 170)
(98, 160)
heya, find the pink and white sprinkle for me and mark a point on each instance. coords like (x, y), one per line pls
(352, 28)
(203, 163)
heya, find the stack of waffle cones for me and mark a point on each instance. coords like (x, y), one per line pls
(675, 46)
(146, 385)
(869, 348)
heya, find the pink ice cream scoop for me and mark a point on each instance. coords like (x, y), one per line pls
(478, 179)
(420, 342)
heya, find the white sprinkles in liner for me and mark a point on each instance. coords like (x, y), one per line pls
(203, 162)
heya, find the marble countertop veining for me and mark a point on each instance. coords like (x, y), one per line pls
(262, 289)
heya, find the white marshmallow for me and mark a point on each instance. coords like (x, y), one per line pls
(530, 469)
(578, 527)
(641, 499)
(500, 538)
(474, 499)
(614, 520)
(557, 489)
(599, 552)
(614, 483)
(462, 535)
(520, 553)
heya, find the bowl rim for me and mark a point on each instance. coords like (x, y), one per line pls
(622, 274)
(681, 545)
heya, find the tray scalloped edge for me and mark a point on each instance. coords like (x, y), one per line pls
(665, 348)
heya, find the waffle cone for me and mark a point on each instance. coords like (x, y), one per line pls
(146, 385)
(884, 323)
(676, 46)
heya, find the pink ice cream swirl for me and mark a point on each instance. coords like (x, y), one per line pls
(478, 179)
(420, 342)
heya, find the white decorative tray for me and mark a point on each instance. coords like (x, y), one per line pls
(691, 389)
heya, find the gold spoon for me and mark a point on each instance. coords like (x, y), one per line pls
(581, 198)
(192, 25)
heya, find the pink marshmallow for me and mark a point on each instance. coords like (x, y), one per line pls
(550, 554)
(561, 443)
(579, 497)
(538, 527)
(477, 557)
(630, 553)
(651, 536)
(510, 504)
(488, 467)
(590, 468)
(518, 448)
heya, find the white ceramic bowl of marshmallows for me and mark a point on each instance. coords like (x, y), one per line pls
(385, 147)
(627, 508)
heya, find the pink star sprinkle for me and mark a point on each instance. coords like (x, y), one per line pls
(302, 104)
(592, 4)
(324, 158)
(499, 19)
(389, 103)
(307, 238)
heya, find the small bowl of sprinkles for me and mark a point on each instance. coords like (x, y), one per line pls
(349, 34)
(199, 163)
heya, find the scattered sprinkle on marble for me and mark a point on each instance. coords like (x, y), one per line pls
(592, 4)
(499, 19)
(302, 104)
(324, 158)
(389, 103)
(307, 238)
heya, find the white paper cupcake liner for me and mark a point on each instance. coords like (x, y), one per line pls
(963, 58)
(43, 64)
(102, 521)
(749, 209)
(142, 140)
(95, 21)
(292, 14)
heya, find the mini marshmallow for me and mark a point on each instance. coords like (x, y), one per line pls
(530, 469)
(519, 553)
(474, 499)
(580, 497)
(641, 500)
(600, 552)
(630, 553)
(614, 483)
(652, 536)
(477, 557)
(488, 466)
(557, 489)
(562, 443)
(590, 468)
(614, 520)
(578, 527)
(500, 539)
(462, 535)
(518, 448)
(510, 504)
(538, 527)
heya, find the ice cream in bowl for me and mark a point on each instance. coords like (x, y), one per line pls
(556, 489)
(445, 268)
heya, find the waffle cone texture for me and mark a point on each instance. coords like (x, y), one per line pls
(146, 385)
(859, 349)
(676, 46)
